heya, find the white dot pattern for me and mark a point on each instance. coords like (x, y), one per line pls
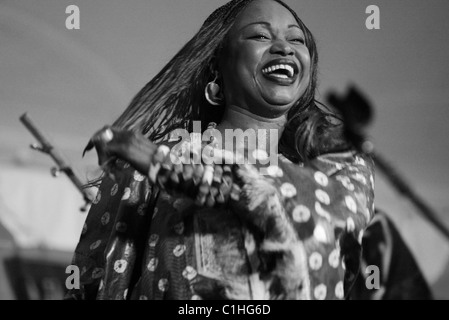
(95, 245)
(163, 285)
(275, 171)
(322, 197)
(351, 204)
(301, 214)
(114, 189)
(179, 250)
(360, 237)
(321, 212)
(120, 266)
(121, 227)
(179, 228)
(315, 261)
(320, 292)
(138, 176)
(350, 225)
(260, 155)
(321, 179)
(320, 234)
(105, 218)
(126, 194)
(189, 273)
(152, 265)
(339, 290)
(154, 238)
(141, 209)
(321, 202)
(288, 190)
(334, 258)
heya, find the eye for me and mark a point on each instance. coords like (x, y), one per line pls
(298, 40)
(260, 37)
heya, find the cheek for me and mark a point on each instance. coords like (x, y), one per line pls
(240, 69)
(305, 60)
(247, 57)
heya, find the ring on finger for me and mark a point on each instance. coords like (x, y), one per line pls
(107, 135)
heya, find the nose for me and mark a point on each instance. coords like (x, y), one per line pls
(282, 48)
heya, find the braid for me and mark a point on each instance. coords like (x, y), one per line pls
(174, 98)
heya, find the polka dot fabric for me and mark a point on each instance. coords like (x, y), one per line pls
(139, 242)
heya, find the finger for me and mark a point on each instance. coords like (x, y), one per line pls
(99, 140)
(187, 172)
(217, 180)
(198, 173)
(235, 192)
(201, 197)
(227, 174)
(220, 198)
(225, 189)
(218, 174)
(89, 147)
(208, 174)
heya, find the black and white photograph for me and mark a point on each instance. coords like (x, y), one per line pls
(224, 150)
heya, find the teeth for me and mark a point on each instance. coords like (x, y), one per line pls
(289, 69)
(282, 76)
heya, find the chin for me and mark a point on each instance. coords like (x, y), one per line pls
(280, 95)
(280, 101)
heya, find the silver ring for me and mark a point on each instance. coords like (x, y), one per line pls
(107, 135)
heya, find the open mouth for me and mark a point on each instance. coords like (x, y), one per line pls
(281, 69)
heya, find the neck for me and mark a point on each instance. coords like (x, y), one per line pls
(239, 118)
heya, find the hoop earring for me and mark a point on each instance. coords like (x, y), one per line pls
(212, 93)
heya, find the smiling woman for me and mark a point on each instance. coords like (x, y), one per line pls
(266, 61)
(164, 228)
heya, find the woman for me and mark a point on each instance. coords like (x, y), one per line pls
(164, 227)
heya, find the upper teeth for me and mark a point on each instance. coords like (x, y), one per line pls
(290, 69)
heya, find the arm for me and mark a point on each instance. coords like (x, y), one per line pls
(334, 193)
(337, 187)
(320, 204)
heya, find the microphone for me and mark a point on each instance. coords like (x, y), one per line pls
(357, 114)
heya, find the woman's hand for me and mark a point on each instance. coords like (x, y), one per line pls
(111, 144)
(208, 185)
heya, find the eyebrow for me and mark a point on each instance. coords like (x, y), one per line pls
(269, 25)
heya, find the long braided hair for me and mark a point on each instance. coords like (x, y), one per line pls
(174, 98)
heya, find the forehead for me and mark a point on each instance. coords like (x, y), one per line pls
(264, 11)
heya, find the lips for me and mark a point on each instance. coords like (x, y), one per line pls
(283, 71)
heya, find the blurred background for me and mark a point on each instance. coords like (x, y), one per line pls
(72, 82)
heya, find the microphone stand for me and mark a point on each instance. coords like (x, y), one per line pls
(357, 114)
(62, 166)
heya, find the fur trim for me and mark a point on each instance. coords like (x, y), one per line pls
(264, 211)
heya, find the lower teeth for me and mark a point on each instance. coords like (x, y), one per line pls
(282, 76)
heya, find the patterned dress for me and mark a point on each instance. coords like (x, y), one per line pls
(294, 233)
